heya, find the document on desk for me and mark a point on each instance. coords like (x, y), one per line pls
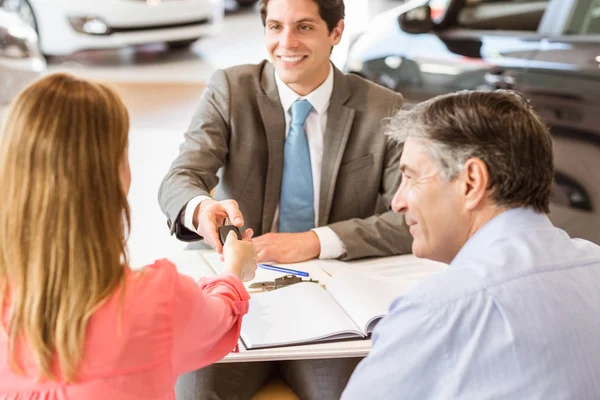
(395, 268)
(307, 313)
(213, 259)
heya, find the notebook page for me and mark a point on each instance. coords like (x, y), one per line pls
(300, 313)
(363, 299)
(395, 268)
(365, 290)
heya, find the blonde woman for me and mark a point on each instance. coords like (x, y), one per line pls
(77, 322)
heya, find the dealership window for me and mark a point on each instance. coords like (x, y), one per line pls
(585, 19)
(510, 15)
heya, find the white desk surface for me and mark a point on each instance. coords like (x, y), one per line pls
(192, 263)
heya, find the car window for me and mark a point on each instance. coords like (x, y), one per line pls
(511, 15)
(585, 19)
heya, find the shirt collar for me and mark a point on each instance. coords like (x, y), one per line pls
(318, 98)
(501, 226)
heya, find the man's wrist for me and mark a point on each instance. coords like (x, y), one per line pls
(198, 211)
(196, 217)
(315, 244)
(187, 215)
(330, 244)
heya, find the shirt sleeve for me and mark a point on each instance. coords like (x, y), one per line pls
(187, 216)
(408, 357)
(331, 245)
(207, 318)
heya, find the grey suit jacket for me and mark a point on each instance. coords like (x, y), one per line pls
(235, 143)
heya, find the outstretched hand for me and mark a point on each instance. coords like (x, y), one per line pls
(211, 214)
(239, 257)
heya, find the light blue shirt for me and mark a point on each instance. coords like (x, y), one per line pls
(515, 316)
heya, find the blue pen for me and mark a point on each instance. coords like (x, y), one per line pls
(284, 270)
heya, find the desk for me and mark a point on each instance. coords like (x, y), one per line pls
(193, 263)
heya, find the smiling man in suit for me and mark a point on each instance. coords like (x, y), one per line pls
(302, 164)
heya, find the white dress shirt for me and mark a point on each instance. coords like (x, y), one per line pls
(315, 126)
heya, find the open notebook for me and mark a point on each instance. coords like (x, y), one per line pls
(357, 295)
(307, 313)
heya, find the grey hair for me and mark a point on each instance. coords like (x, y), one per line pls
(497, 127)
(450, 161)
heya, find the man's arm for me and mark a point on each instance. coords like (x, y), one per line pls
(193, 173)
(409, 357)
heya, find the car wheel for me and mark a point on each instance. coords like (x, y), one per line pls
(181, 44)
(22, 9)
(245, 3)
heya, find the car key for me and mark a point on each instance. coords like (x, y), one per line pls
(224, 231)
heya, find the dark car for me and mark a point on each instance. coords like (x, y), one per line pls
(548, 50)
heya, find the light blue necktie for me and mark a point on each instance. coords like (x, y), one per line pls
(296, 204)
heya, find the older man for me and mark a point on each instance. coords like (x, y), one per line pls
(515, 316)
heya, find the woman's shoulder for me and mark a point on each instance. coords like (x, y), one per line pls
(156, 278)
(149, 288)
(135, 318)
(157, 268)
(144, 299)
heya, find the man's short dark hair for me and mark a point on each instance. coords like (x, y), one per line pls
(498, 127)
(331, 11)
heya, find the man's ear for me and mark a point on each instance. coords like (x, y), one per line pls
(476, 181)
(336, 33)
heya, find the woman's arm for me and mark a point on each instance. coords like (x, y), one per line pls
(207, 318)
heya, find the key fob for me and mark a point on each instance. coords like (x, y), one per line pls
(224, 231)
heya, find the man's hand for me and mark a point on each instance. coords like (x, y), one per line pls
(210, 214)
(287, 247)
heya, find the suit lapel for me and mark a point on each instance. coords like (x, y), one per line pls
(339, 124)
(274, 122)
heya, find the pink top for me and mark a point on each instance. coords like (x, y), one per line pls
(170, 325)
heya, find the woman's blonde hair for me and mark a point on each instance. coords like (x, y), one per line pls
(64, 218)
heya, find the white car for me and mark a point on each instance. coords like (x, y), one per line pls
(20, 59)
(67, 26)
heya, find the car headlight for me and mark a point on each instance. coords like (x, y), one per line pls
(16, 43)
(90, 25)
(17, 40)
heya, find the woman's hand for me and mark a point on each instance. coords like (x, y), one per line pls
(239, 257)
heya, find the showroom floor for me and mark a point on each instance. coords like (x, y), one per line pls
(161, 90)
